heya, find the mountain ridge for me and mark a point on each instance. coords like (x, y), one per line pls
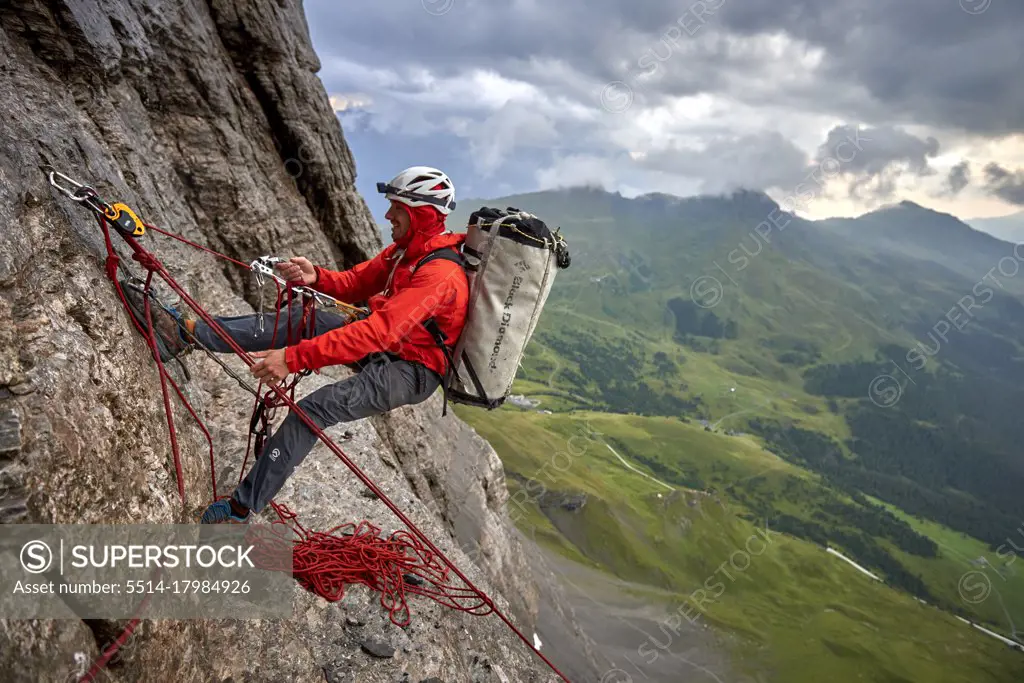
(584, 191)
(1009, 227)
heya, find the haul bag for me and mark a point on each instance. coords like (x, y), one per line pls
(511, 258)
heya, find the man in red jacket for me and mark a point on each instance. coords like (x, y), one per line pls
(399, 363)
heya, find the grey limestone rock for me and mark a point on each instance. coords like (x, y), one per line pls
(208, 119)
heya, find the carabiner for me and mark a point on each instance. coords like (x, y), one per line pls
(78, 187)
(84, 194)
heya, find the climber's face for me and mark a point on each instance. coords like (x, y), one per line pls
(400, 220)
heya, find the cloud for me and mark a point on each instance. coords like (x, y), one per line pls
(875, 158)
(350, 102)
(578, 170)
(721, 94)
(508, 130)
(875, 149)
(1006, 184)
(917, 60)
(959, 177)
(728, 162)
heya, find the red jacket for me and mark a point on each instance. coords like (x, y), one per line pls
(439, 289)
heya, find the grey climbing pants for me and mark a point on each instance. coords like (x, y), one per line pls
(381, 385)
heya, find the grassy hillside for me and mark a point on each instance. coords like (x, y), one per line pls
(728, 310)
(850, 382)
(789, 608)
(971, 574)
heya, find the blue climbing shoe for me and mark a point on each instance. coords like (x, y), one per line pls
(220, 512)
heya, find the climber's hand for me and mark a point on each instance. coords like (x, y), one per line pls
(272, 369)
(297, 269)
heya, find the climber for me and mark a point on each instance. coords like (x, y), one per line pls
(397, 359)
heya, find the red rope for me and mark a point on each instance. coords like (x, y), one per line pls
(110, 650)
(150, 263)
(323, 562)
(197, 246)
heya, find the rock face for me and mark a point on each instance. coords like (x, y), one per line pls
(209, 120)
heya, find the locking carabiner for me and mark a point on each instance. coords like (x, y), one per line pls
(120, 215)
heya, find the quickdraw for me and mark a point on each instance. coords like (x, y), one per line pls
(263, 269)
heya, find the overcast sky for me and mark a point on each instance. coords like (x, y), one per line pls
(833, 107)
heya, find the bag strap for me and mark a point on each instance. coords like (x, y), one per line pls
(435, 331)
(484, 256)
(445, 254)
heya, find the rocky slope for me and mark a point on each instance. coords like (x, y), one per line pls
(209, 119)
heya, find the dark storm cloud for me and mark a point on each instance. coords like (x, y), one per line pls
(1006, 184)
(880, 148)
(874, 158)
(927, 61)
(931, 61)
(959, 178)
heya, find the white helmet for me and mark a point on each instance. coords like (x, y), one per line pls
(416, 187)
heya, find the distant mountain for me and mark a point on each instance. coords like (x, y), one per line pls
(874, 352)
(672, 302)
(921, 233)
(1009, 228)
(906, 222)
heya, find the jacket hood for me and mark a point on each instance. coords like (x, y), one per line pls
(425, 223)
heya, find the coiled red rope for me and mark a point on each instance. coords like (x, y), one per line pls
(401, 564)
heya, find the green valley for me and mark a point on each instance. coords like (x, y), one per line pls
(830, 384)
(780, 603)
